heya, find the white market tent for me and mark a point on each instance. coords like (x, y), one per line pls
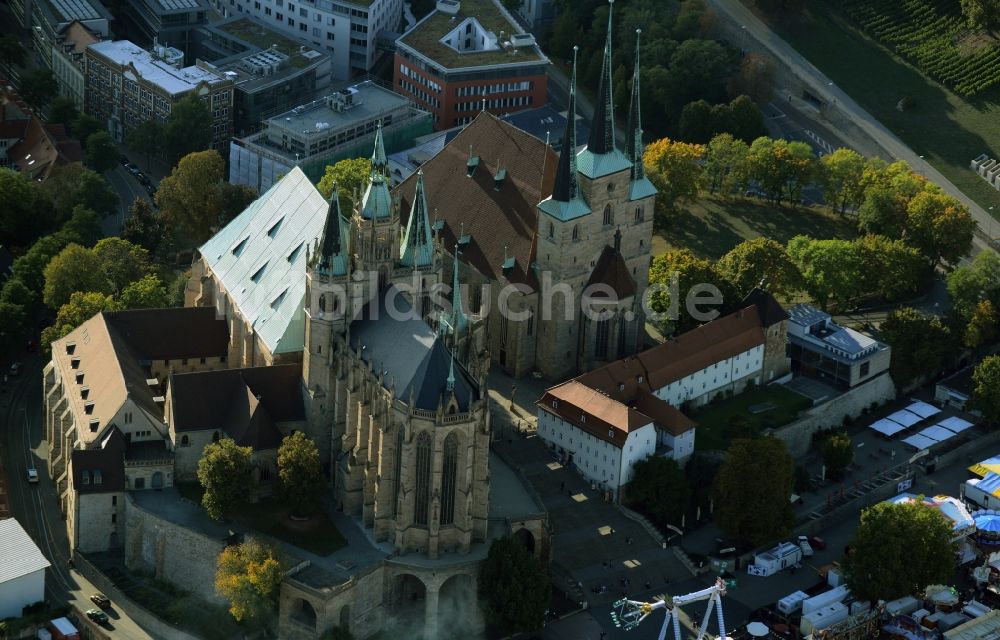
(905, 418)
(956, 424)
(919, 442)
(888, 428)
(923, 409)
(937, 432)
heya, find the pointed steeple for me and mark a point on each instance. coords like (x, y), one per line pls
(379, 161)
(458, 319)
(602, 129)
(332, 257)
(376, 202)
(451, 375)
(566, 186)
(417, 248)
(633, 137)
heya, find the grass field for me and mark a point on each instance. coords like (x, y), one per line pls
(946, 129)
(710, 226)
(715, 428)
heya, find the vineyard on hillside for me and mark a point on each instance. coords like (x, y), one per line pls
(930, 34)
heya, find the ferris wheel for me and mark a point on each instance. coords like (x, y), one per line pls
(627, 614)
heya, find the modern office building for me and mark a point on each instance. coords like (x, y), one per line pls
(168, 21)
(313, 135)
(272, 72)
(822, 349)
(536, 15)
(46, 19)
(468, 55)
(68, 60)
(127, 85)
(346, 29)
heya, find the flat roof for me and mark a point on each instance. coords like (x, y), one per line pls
(172, 6)
(69, 10)
(173, 81)
(263, 37)
(425, 37)
(372, 100)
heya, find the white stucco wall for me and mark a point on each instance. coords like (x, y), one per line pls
(701, 385)
(20, 592)
(683, 445)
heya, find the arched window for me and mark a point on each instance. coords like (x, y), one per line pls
(322, 302)
(576, 232)
(552, 231)
(607, 216)
(397, 469)
(422, 503)
(448, 473)
(638, 214)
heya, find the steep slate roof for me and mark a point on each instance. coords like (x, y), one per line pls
(260, 259)
(611, 270)
(607, 419)
(409, 353)
(245, 403)
(492, 218)
(108, 459)
(161, 334)
(19, 555)
(770, 310)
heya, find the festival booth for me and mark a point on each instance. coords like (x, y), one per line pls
(768, 563)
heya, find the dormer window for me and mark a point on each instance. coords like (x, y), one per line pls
(75, 363)
(621, 386)
(611, 433)
(93, 425)
(555, 404)
(583, 417)
(88, 408)
(638, 379)
(84, 392)
(79, 377)
(70, 348)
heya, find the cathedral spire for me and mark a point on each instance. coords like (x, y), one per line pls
(565, 188)
(451, 375)
(376, 203)
(332, 257)
(379, 161)
(602, 129)
(417, 249)
(633, 137)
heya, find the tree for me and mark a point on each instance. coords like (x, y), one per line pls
(897, 550)
(233, 199)
(659, 489)
(25, 213)
(698, 69)
(300, 476)
(83, 227)
(121, 262)
(513, 587)
(62, 110)
(882, 212)
(840, 178)
(689, 271)
(969, 284)
(724, 165)
(84, 125)
(30, 268)
(38, 87)
(751, 262)
(17, 293)
(142, 226)
(189, 127)
(921, 344)
(982, 326)
(81, 307)
(696, 123)
(12, 53)
(74, 269)
(675, 169)
(838, 453)
(249, 575)
(780, 167)
(147, 292)
(190, 197)
(831, 269)
(890, 269)
(13, 322)
(350, 176)
(746, 119)
(986, 388)
(146, 138)
(102, 154)
(73, 185)
(940, 227)
(981, 14)
(755, 79)
(752, 491)
(224, 472)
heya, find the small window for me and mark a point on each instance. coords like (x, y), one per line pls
(295, 252)
(238, 249)
(88, 407)
(273, 231)
(608, 219)
(114, 518)
(75, 363)
(638, 214)
(552, 231)
(576, 232)
(84, 392)
(93, 426)
(114, 500)
(185, 441)
(202, 360)
(70, 348)
(97, 477)
(259, 273)
(555, 404)
(277, 301)
(583, 417)
(85, 477)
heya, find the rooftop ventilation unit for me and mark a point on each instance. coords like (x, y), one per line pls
(522, 40)
(343, 100)
(451, 7)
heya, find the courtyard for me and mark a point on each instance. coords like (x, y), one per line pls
(746, 415)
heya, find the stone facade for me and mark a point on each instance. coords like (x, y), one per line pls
(96, 520)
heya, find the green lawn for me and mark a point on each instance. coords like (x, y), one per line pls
(317, 535)
(949, 131)
(711, 225)
(715, 428)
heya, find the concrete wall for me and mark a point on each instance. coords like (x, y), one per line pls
(98, 517)
(182, 557)
(798, 435)
(18, 593)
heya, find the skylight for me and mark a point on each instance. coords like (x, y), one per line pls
(259, 273)
(295, 252)
(273, 231)
(238, 249)
(277, 301)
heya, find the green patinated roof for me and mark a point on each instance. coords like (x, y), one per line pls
(598, 165)
(575, 208)
(640, 189)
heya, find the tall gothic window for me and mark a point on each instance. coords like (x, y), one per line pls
(622, 331)
(607, 215)
(603, 328)
(397, 468)
(638, 214)
(576, 232)
(448, 473)
(423, 497)
(552, 231)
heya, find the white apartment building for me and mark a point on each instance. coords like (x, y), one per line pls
(346, 30)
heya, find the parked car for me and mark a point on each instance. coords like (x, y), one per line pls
(144, 179)
(97, 616)
(33, 475)
(817, 543)
(151, 189)
(16, 368)
(100, 600)
(133, 168)
(807, 549)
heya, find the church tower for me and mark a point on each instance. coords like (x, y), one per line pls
(375, 224)
(327, 314)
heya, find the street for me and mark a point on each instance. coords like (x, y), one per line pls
(128, 189)
(22, 445)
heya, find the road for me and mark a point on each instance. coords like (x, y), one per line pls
(128, 189)
(823, 88)
(22, 445)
